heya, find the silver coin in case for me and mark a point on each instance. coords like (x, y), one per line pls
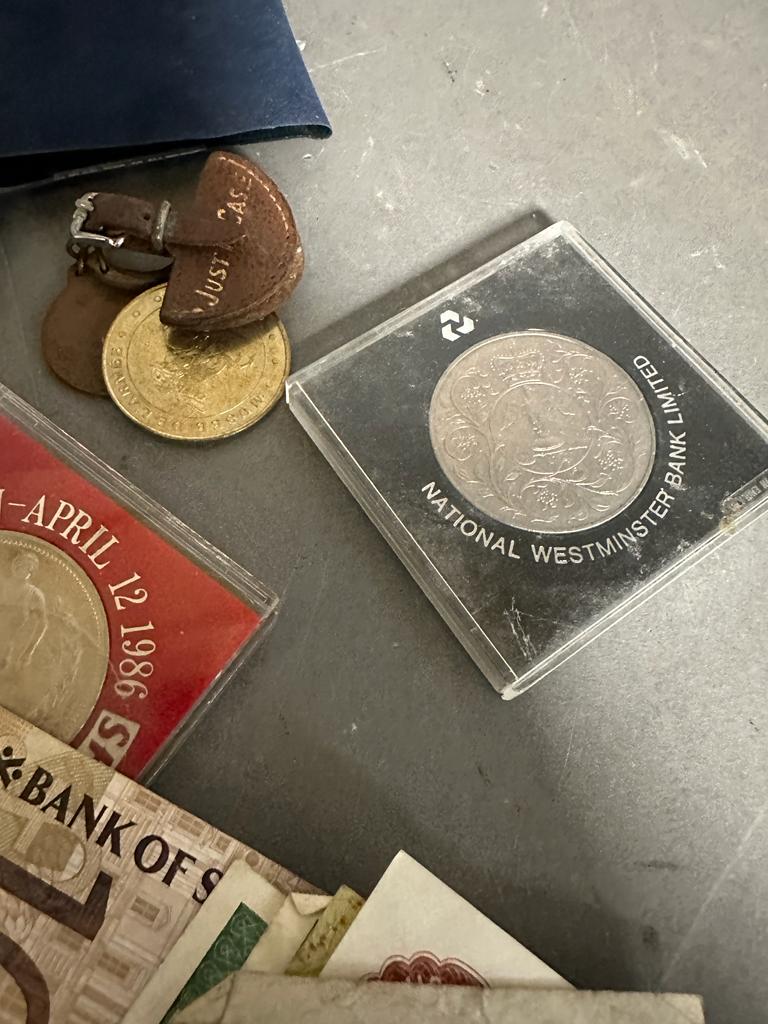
(542, 432)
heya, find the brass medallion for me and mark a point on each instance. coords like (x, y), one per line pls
(191, 385)
(54, 636)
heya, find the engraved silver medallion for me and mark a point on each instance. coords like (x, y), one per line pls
(54, 636)
(542, 432)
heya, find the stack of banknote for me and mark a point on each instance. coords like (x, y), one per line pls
(117, 906)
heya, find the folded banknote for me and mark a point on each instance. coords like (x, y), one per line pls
(98, 880)
(215, 942)
(238, 928)
(313, 934)
(281, 999)
(415, 928)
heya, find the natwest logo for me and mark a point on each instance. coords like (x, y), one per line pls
(465, 325)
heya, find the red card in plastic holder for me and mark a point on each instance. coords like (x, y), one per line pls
(118, 624)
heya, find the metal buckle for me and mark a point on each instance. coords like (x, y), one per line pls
(84, 206)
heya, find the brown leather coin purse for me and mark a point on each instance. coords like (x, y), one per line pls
(236, 251)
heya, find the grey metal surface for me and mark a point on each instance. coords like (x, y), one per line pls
(614, 818)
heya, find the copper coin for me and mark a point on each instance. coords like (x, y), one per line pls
(74, 328)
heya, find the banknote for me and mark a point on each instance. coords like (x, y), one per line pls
(415, 928)
(98, 879)
(271, 999)
(334, 922)
(215, 943)
(289, 928)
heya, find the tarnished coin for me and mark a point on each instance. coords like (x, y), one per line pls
(74, 328)
(54, 636)
(191, 385)
(542, 432)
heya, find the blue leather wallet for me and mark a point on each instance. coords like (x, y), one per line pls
(86, 83)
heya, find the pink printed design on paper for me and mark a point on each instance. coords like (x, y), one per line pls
(424, 968)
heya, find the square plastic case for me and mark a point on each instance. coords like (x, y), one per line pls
(118, 624)
(540, 448)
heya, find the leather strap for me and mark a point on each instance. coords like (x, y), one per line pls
(153, 227)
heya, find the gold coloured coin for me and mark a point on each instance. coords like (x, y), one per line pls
(54, 636)
(190, 385)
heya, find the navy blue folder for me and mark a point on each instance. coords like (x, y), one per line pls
(92, 82)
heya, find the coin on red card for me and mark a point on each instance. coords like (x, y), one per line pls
(54, 638)
(117, 624)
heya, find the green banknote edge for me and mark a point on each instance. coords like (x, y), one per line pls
(227, 954)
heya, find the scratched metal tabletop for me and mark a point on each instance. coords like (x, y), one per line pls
(613, 818)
